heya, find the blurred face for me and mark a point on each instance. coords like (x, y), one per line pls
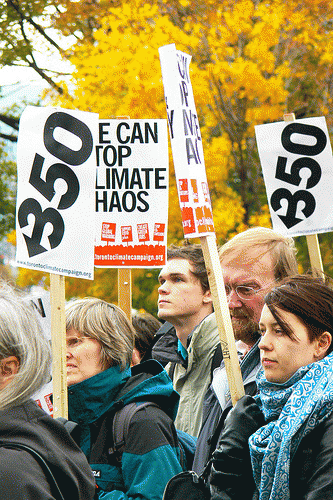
(245, 311)
(180, 294)
(281, 356)
(83, 357)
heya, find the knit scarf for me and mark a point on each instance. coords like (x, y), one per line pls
(292, 410)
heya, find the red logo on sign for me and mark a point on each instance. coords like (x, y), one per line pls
(183, 190)
(126, 234)
(108, 231)
(204, 219)
(159, 230)
(195, 190)
(188, 220)
(143, 232)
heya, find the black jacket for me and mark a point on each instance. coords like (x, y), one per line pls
(214, 415)
(311, 471)
(165, 345)
(21, 477)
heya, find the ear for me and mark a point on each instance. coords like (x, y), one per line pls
(323, 344)
(135, 357)
(8, 368)
(207, 297)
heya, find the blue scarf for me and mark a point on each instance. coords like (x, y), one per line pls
(292, 410)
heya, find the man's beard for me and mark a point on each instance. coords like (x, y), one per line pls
(244, 327)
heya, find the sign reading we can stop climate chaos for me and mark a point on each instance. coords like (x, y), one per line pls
(187, 150)
(131, 197)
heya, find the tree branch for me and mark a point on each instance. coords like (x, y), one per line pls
(8, 137)
(10, 121)
(34, 24)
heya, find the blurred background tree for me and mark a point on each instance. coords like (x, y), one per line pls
(252, 62)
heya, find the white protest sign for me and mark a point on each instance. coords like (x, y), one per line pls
(42, 305)
(186, 143)
(55, 192)
(43, 398)
(297, 163)
(132, 177)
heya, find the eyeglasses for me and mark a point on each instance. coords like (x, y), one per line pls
(75, 341)
(245, 292)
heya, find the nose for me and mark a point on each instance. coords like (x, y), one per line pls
(265, 343)
(162, 289)
(68, 352)
(234, 301)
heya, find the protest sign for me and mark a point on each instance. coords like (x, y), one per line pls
(55, 191)
(194, 196)
(186, 143)
(297, 163)
(132, 179)
(41, 302)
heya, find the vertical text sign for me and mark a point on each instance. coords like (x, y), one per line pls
(55, 192)
(186, 143)
(132, 180)
(297, 163)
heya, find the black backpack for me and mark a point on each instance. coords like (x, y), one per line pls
(187, 485)
(120, 425)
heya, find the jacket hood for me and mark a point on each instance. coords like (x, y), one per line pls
(166, 348)
(148, 381)
(92, 397)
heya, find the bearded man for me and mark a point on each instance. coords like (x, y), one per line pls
(252, 262)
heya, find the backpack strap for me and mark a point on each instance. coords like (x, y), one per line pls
(121, 422)
(120, 426)
(40, 460)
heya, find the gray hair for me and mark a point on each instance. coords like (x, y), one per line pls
(263, 240)
(106, 323)
(21, 335)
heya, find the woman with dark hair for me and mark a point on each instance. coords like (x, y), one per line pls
(279, 445)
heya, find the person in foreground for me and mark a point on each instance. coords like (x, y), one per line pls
(100, 342)
(24, 368)
(279, 444)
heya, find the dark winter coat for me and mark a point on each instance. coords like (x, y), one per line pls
(214, 414)
(311, 470)
(151, 454)
(21, 477)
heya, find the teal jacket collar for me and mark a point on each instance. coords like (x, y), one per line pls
(89, 399)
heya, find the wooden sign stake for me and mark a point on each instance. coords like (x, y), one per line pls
(125, 291)
(311, 239)
(223, 319)
(58, 337)
(125, 277)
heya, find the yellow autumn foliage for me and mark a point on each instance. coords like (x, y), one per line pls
(252, 62)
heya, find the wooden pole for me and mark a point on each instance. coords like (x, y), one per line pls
(314, 253)
(311, 239)
(58, 338)
(125, 278)
(125, 291)
(223, 319)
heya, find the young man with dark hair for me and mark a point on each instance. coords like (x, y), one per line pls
(188, 345)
